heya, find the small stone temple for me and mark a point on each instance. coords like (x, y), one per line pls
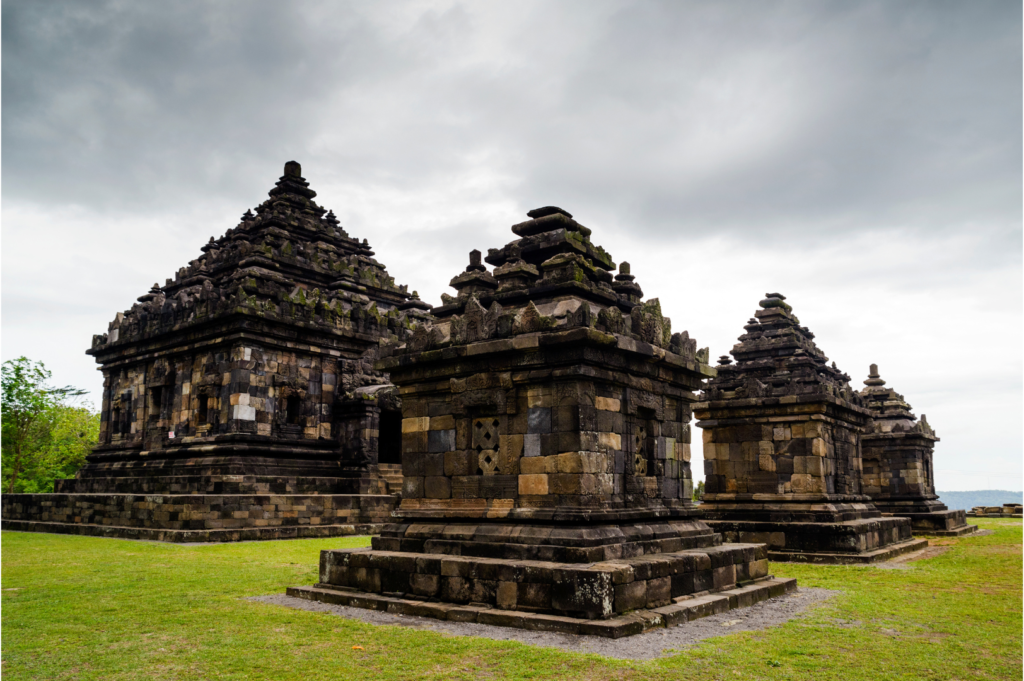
(898, 471)
(240, 400)
(546, 455)
(782, 450)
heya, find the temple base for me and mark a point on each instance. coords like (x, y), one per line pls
(936, 523)
(680, 611)
(610, 598)
(198, 517)
(865, 540)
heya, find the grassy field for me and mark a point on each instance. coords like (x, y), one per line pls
(86, 608)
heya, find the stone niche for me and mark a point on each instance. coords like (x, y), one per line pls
(898, 471)
(546, 455)
(782, 450)
(240, 399)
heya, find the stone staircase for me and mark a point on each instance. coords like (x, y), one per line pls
(392, 474)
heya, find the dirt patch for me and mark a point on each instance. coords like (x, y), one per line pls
(900, 562)
(647, 646)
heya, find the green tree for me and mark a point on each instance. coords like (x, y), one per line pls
(698, 491)
(45, 435)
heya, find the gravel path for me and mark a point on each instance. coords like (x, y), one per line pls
(643, 647)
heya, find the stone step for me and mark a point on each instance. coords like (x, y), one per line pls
(629, 624)
(866, 557)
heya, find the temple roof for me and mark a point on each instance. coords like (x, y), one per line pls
(289, 261)
(777, 357)
(551, 276)
(889, 410)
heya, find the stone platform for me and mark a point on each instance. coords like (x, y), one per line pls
(937, 523)
(863, 540)
(611, 597)
(198, 517)
(681, 610)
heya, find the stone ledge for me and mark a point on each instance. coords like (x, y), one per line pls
(867, 557)
(687, 609)
(956, 532)
(184, 536)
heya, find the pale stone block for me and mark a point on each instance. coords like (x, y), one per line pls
(801, 483)
(683, 452)
(766, 462)
(607, 404)
(706, 434)
(415, 425)
(533, 484)
(710, 451)
(243, 412)
(446, 422)
(609, 440)
(818, 447)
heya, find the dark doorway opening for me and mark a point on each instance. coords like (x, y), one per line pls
(291, 407)
(389, 437)
(204, 407)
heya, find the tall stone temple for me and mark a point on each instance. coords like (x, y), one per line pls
(782, 450)
(546, 454)
(898, 471)
(240, 400)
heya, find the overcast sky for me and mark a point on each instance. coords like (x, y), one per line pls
(863, 158)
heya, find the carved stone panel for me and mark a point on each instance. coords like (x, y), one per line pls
(485, 441)
(640, 449)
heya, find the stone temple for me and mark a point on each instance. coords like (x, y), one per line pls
(546, 454)
(240, 399)
(782, 450)
(898, 471)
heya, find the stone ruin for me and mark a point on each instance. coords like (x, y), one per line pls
(240, 400)
(546, 454)
(898, 472)
(782, 450)
(1011, 510)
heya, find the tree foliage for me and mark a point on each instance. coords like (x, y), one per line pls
(698, 491)
(46, 435)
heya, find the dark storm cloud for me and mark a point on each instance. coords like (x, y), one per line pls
(808, 117)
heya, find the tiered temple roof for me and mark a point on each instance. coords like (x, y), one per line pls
(551, 277)
(890, 411)
(290, 261)
(777, 357)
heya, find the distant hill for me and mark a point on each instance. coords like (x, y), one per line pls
(981, 497)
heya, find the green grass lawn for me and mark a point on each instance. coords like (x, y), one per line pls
(85, 608)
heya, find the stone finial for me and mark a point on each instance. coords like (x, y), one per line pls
(624, 272)
(873, 378)
(247, 215)
(724, 360)
(775, 300)
(547, 210)
(475, 263)
(293, 169)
